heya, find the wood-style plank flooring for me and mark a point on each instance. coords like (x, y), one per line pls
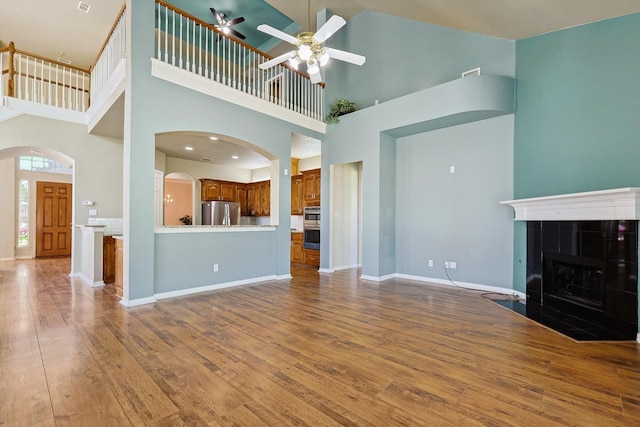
(317, 350)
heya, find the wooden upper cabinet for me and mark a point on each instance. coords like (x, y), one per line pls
(296, 195)
(265, 198)
(211, 189)
(241, 196)
(254, 198)
(311, 186)
(228, 191)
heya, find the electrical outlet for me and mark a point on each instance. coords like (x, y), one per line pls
(430, 263)
(452, 265)
(215, 268)
(446, 264)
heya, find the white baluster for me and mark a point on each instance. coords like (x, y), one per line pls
(200, 49)
(173, 38)
(180, 56)
(158, 43)
(206, 52)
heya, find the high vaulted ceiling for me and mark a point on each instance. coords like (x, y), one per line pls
(57, 28)
(54, 28)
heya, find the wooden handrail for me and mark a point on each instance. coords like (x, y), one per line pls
(240, 42)
(53, 61)
(104, 45)
(65, 85)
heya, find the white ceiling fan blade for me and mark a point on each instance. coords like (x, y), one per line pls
(277, 60)
(315, 77)
(329, 28)
(277, 33)
(341, 55)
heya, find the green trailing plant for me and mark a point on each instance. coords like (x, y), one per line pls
(186, 220)
(339, 108)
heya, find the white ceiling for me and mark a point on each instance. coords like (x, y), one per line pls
(52, 27)
(56, 28)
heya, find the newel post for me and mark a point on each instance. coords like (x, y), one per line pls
(12, 52)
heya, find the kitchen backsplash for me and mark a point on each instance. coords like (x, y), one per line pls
(112, 226)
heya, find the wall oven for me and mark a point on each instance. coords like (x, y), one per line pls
(311, 227)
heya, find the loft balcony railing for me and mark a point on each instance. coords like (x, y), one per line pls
(186, 42)
(183, 41)
(30, 77)
(112, 53)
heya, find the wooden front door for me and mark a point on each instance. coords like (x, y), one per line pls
(53, 219)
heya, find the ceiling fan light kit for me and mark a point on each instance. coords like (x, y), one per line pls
(310, 48)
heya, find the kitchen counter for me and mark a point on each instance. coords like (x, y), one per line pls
(175, 229)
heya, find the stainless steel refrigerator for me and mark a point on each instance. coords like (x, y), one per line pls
(220, 213)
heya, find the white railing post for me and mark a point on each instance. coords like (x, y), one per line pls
(231, 63)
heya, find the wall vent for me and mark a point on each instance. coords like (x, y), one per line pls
(64, 61)
(85, 7)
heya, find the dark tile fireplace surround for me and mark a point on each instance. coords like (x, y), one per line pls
(582, 277)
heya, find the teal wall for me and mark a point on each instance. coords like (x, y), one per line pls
(447, 216)
(405, 56)
(578, 109)
(393, 205)
(577, 124)
(174, 108)
(255, 251)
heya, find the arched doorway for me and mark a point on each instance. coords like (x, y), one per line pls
(179, 199)
(21, 168)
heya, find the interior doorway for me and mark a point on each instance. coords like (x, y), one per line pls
(179, 199)
(345, 221)
(53, 219)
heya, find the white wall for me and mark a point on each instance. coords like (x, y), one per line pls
(310, 163)
(97, 160)
(33, 177)
(345, 216)
(7, 208)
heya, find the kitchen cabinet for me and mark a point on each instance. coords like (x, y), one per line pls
(108, 259)
(241, 197)
(297, 249)
(311, 187)
(259, 198)
(211, 189)
(296, 195)
(265, 198)
(312, 257)
(119, 262)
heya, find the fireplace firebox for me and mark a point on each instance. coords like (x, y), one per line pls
(588, 269)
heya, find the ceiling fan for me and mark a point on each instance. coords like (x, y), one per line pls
(310, 47)
(225, 24)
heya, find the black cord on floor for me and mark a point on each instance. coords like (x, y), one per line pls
(501, 296)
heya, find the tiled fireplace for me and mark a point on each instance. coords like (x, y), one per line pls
(582, 262)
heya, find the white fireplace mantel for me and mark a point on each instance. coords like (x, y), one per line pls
(616, 204)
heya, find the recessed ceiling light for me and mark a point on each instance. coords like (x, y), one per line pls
(188, 148)
(213, 138)
(85, 7)
(235, 157)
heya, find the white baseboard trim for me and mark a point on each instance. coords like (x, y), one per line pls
(284, 277)
(25, 257)
(638, 338)
(326, 270)
(8, 259)
(344, 267)
(136, 302)
(377, 279)
(206, 288)
(466, 285)
(87, 280)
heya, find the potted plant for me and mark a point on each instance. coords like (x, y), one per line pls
(186, 220)
(339, 108)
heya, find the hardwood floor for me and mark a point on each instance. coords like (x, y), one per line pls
(317, 350)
